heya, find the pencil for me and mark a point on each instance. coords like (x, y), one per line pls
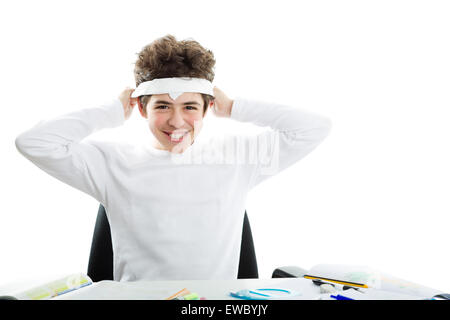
(345, 283)
(178, 293)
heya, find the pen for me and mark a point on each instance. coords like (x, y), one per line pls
(348, 283)
(340, 297)
(183, 291)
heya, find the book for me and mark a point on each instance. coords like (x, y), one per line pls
(370, 280)
(55, 288)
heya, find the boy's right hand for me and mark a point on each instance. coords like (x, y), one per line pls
(128, 103)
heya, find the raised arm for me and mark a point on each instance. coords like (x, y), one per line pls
(293, 133)
(57, 147)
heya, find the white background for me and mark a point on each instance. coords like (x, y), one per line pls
(374, 193)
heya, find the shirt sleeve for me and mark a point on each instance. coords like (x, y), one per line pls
(57, 147)
(292, 134)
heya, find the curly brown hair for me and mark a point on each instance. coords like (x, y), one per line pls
(166, 57)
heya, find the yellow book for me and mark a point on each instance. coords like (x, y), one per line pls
(55, 288)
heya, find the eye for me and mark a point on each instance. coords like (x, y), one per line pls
(164, 107)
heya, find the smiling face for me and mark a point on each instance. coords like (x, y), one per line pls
(174, 123)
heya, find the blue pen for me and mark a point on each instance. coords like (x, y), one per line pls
(339, 297)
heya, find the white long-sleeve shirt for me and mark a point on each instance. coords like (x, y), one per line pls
(173, 216)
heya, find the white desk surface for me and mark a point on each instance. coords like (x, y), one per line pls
(210, 289)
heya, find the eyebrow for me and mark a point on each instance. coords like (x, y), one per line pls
(185, 103)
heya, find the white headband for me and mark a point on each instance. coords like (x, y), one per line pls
(174, 87)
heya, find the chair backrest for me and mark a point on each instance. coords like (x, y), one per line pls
(100, 266)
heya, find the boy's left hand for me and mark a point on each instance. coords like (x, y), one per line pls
(222, 105)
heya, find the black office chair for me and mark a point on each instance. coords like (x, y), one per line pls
(100, 266)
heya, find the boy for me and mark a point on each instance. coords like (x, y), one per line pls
(173, 219)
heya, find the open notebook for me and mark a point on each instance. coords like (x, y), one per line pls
(54, 288)
(370, 283)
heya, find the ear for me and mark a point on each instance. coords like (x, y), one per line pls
(142, 110)
(211, 103)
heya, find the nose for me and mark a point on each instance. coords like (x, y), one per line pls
(176, 119)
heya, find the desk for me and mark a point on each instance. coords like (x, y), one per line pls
(159, 290)
(211, 289)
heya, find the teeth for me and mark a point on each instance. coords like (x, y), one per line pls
(177, 135)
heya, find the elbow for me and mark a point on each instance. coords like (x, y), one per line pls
(24, 143)
(20, 143)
